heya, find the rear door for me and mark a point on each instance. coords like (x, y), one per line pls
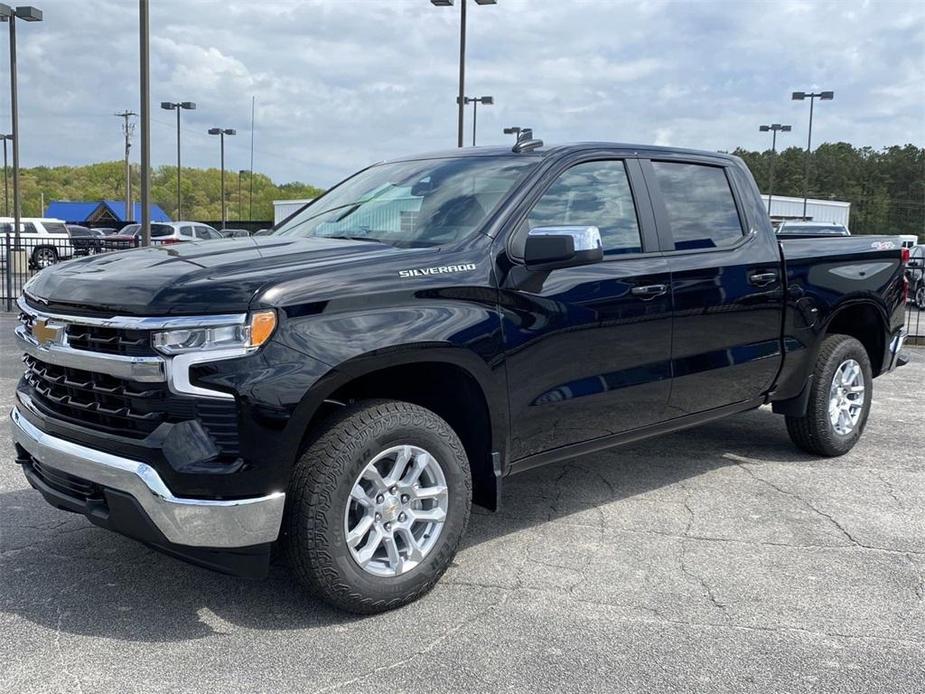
(588, 347)
(726, 286)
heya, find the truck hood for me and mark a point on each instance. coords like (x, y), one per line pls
(220, 276)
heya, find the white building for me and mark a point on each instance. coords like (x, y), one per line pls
(284, 208)
(784, 208)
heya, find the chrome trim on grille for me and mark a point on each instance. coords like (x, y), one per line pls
(138, 322)
(174, 370)
(183, 521)
(143, 369)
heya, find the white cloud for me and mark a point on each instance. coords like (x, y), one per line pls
(345, 82)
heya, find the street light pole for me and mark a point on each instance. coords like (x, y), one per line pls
(812, 96)
(6, 184)
(774, 128)
(178, 106)
(29, 14)
(144, 28)
(461, 98)
(221, 132)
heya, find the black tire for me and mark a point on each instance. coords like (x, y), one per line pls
(44, 256)
(814, 431)
(919, 296)
(315, 542)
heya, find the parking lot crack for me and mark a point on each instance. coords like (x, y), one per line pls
(683, 556)
(61, 659)
(812, 507)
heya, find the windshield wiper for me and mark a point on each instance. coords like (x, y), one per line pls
(351, 238)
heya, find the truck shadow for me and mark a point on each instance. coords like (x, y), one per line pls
(60, 572)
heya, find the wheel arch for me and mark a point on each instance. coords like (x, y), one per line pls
(866, 322)
(454, 383)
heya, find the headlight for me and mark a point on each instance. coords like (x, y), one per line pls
(245, 336)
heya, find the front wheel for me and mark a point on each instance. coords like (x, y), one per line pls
(839, 399)
(377, 506)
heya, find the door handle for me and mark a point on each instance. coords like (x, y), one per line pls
(762, 279)
(649, 291)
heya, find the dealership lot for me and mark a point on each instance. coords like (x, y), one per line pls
(717, 559)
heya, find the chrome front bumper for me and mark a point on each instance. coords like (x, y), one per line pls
(192, 522)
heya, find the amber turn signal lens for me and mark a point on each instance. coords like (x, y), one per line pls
(263, 323)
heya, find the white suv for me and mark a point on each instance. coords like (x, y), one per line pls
(45, 240)
(174, 232)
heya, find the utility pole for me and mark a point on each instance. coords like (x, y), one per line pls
(128, 129)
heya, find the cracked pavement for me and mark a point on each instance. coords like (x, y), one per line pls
(719, 559)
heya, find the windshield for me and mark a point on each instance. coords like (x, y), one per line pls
(414, 203)
(834, 230)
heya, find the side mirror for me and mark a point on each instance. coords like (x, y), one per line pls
(548, 248)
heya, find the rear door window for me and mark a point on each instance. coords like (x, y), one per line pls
(187, 230)
(202, 233)
(701, 208)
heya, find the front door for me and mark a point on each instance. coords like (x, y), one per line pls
(588, 348)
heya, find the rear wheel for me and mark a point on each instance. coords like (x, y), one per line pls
(920, 296)
(44, 257)
(377, 506)
(839, 399)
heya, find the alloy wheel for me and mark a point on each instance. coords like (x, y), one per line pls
(846, 397)
(396, 511)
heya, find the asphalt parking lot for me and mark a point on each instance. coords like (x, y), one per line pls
(719, 559)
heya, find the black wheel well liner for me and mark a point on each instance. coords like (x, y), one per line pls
(865, 322)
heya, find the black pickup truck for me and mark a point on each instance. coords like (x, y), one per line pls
(348, 386)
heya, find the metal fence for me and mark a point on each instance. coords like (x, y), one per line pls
(915, 324)
(19, 262)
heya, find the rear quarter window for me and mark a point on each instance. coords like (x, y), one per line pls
(55, 227)
(161, 230)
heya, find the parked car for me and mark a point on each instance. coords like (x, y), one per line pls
(45, 240)
(234, 233)
(808, 230)
(84, 240)
(105, 231)
(915, 273)
(167, 233)
(349, 387)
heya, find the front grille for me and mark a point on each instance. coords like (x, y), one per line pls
(125, 408)
(134, 343)
(92, 338)
(69, 485)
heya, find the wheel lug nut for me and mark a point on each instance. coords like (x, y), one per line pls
(378, 516)
(380, 499)
(404, 498)
(388, 526)
(392, 490)
(402, 517)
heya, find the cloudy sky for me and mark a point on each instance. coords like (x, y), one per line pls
(342, 83)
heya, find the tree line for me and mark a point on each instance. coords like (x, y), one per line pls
(200, 190)
(886, 187)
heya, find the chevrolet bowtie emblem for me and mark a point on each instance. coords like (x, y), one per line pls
(45, 333)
